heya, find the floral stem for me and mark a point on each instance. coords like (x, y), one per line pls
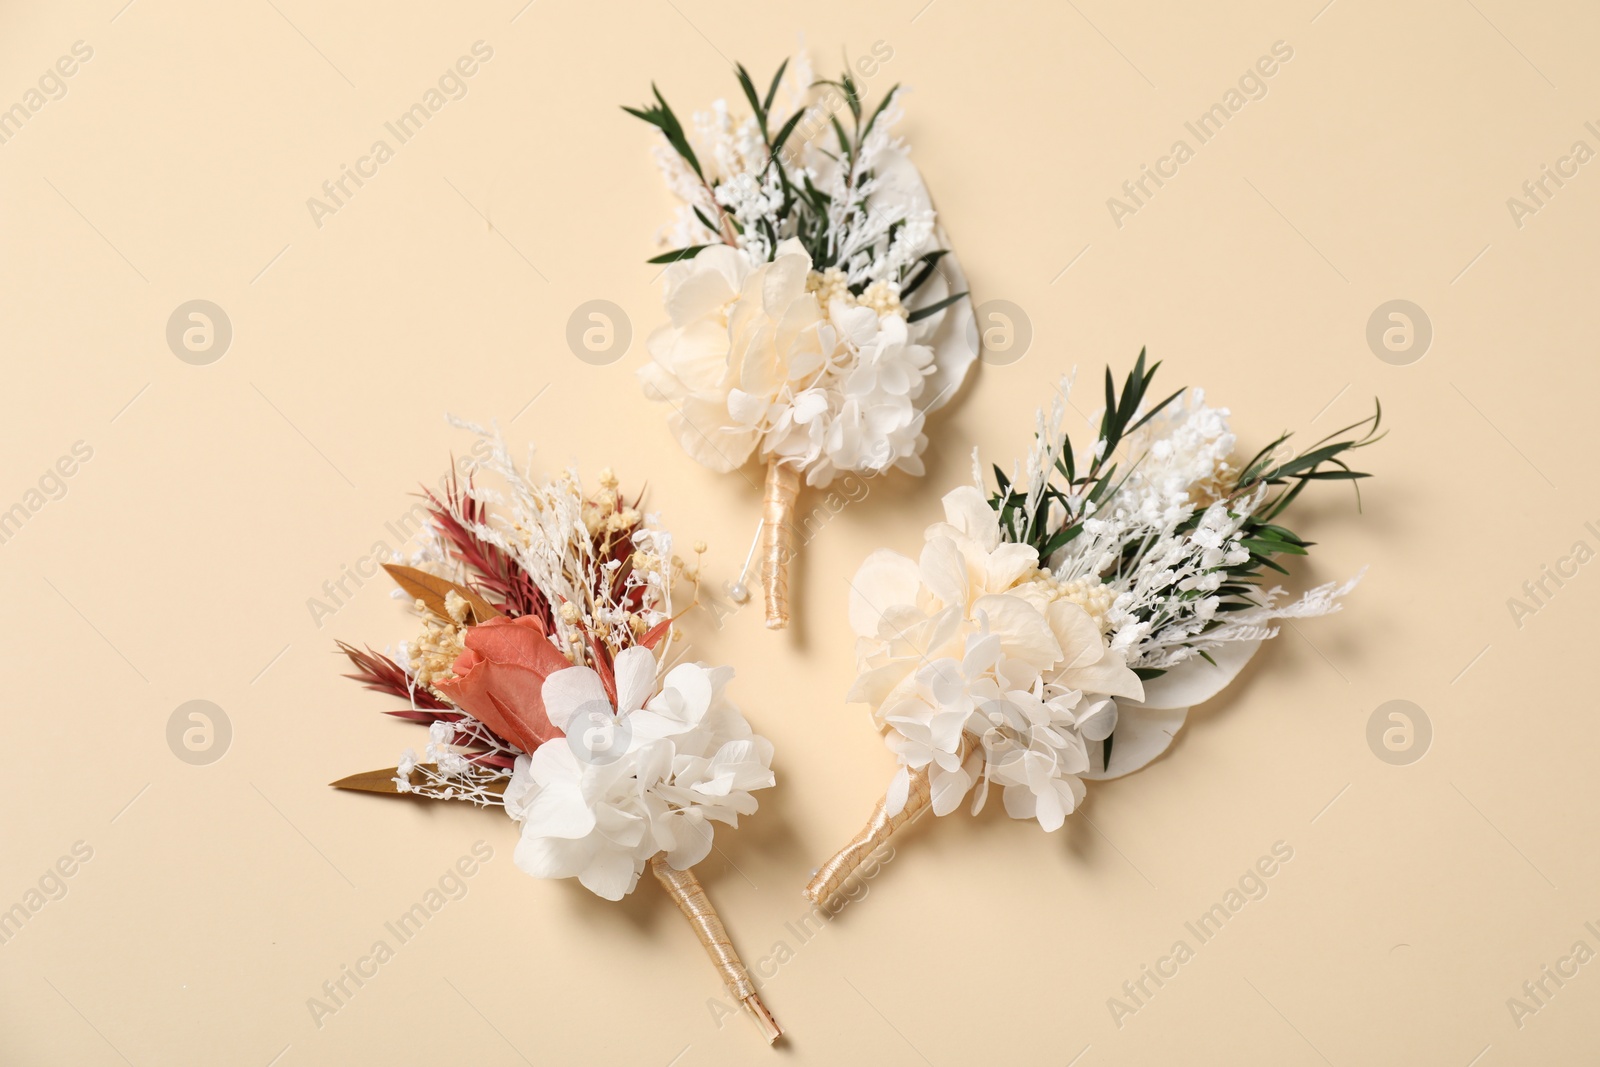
(690, 896)
(728, 235)
(833, 874)
(777, 540)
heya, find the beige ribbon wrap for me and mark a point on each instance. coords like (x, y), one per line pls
(832, 875)
(777, 540)
(685, 889)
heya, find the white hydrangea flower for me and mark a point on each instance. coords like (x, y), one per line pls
(646, 774)
(980, 671)
(752, 363)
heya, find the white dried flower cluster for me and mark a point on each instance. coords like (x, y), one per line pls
(734, 159)
(444, 773)
(1164, 581)
(1178, 460)
(558, 534)
(753, 363)
(983, 673)
(874, 232)
(649, 774)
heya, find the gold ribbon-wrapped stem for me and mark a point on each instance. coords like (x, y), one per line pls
(777, 540)
(833, 874)
(685, 889)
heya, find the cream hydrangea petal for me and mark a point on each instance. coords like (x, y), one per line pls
(894, 801)
(943, 571)
(1078, 634)
(885, 579)
(738, 766)
(1074, 759)
(760, 365)
(980, 795)
(649, 726)
(553, 857)
(636, 677)
(912, 465)
(548, 764)
(705, 284)
(692, 840)
(784, 281)
(560, 811)
(567, 692)
(949, 787)
(621, 824)
(1110, 676)
(1023, 632)
(1098, 720)
(694, 358)
(521, 789)
(611, 875)
(703, 430)
(1050, 807)
(1091, 666)
(1020, 801)
(1008, 564)
(857, 325)
(968, 510)
(874, 685)
(685, 693)
(662, 387)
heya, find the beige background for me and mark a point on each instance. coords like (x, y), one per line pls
(220, 498)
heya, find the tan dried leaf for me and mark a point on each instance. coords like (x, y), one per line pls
(431, 590)
(382, 781)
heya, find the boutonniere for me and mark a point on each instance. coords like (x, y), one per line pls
(1056, 628)
(816, 314)
(544, 671)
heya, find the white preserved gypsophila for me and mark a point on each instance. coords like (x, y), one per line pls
(548, 528)
(982, 670)
(1178, 460)
(1162, 579)
(649, 773)
(733, 158)
(444, 773)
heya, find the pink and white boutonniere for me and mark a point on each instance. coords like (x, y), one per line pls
(543, 671)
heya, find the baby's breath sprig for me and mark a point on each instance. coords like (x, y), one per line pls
(1025, 515)
(1187, 564)
(785, 194)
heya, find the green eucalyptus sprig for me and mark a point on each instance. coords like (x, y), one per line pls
(806, 212)
(1080, 489)
(1078, 494)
